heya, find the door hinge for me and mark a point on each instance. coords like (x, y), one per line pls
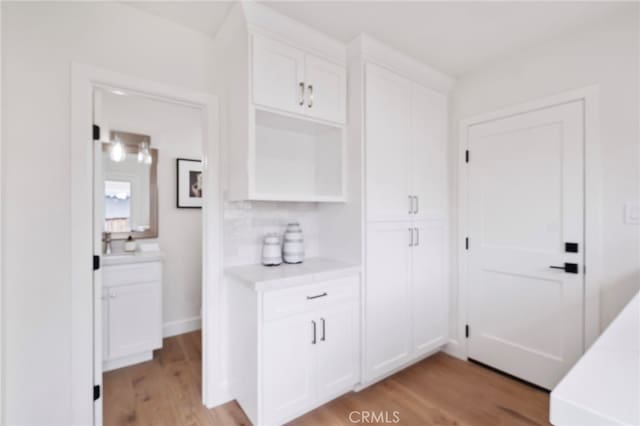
(96, 392)
(466, 331)
(466, 156)
(466, 243)
(96, 132)
(96, 262)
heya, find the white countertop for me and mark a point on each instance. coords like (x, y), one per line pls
(135, 257)
(262, 278)
(603, 388)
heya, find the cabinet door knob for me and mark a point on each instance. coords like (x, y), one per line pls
(301, 93)
(310, 95)
(313, 323)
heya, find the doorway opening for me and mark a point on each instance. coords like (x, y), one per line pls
(195, 300)
(148, 230)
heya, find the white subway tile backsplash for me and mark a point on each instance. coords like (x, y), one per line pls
(247, 222)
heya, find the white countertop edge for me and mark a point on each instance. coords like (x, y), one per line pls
(131, 258)
(277, 277)
(565, 412)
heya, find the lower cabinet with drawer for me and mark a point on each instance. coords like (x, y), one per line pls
(293, 349)
(131, 313)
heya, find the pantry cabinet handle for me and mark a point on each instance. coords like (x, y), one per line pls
(301, 93)
(310, 95)
(313, 342)
(324, 331)
(417, 236)
(317, 296)
(410, 237)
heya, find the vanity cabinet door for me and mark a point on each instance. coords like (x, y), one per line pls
(288, 366)
(134, 318)
(278, 75)
(338, 342)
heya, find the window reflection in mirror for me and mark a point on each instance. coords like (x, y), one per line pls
(130, 186)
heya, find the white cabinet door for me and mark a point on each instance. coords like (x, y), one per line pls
(428, 153)
(387, 104)
(338, 337)
(387, 310)
(326, 89)
(288, 366)
(429, 290)
(135, 312)
(278, 75)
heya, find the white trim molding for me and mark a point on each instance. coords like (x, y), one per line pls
(84, 79)
(592, 207)
(175, 328)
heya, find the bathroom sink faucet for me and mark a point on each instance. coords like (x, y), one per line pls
(106, 238)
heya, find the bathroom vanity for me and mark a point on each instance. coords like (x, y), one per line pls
(294, 335)
(131, 308)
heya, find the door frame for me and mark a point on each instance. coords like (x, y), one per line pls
(84, 78)
(458, 344)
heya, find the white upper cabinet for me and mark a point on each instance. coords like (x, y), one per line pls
(406, 154)
(289, 79)
(326, 89)
(278, 75)
(428, 153)
(388, 112)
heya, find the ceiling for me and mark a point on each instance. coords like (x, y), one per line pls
(452, 36)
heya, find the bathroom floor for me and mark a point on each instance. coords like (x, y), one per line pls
(440, 390)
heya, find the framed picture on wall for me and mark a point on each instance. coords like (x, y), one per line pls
(189, 183)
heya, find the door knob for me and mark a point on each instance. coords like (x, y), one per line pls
(570, 268)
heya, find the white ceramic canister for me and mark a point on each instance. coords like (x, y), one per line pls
(293, 247)
(271, 250)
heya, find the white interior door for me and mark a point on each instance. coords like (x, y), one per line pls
(388, 102)
(387, 311)
(278, 75)
(526, 201)
(98, 226)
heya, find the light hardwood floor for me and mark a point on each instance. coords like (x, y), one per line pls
(440, 390)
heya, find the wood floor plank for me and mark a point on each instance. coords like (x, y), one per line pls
(440, 390)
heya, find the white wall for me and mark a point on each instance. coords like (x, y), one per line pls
(176, 132)
(39, 42)
(605, 54)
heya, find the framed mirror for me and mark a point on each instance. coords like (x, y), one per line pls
(130, 170)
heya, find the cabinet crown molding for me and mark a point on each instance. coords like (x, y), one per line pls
(367, 48)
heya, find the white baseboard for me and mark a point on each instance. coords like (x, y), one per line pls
(455, 349)
(173, 328)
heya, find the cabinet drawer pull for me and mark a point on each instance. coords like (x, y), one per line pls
(301, 93)
(310, 95)
(317, 296)
(313, 323)
(410, 237)
(417, 236)
(417, 210)
(324, 331)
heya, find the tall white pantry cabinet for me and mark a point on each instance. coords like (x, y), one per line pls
(405, 211)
